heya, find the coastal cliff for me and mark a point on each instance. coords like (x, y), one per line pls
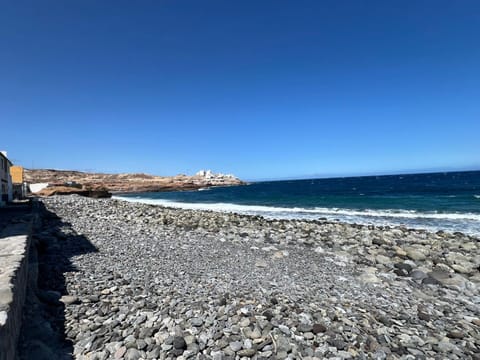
(128, 182)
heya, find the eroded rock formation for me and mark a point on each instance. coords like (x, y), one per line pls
(129, 182)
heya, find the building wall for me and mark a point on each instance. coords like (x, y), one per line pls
(17, 174)
(18, 184)
(6, 187)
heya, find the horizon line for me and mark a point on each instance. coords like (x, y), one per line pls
(368, 174)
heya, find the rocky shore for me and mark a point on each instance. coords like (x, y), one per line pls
(167, 283)
(66, 181)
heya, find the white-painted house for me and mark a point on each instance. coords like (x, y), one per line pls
(5, 179)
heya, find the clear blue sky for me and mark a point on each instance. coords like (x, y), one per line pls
(262, 89)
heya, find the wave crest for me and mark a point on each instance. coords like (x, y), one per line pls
(317, 212)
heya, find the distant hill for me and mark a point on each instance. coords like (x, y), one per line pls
(130, 182)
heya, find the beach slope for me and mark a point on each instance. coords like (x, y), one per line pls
(165, 283)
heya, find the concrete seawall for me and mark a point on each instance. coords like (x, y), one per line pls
(15, 239)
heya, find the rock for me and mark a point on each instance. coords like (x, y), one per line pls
(261, 263)
(283, 345)
(69, 300)
(456, 334)
(457, 282)
(308, 335)
(247, 352)
(93, 298)
(400, 252)
(235, 345)
(403, 266)
(196, 321)
(430, 281)
(141, 344)
(304, 327)
(423, 315)
(465, 268)
(98, 194)
(384, 260)
(318, 328)
(415, 254)
(70, 181)
(120, 352)
(418, 275)
(369, 278)
(255, 334)
(284, 329)
(179, 343)
(445, 346)
(337, 343)
(133, 354)
(217, 355)
(268, 315)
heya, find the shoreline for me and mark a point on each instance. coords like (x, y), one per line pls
(172, 283)
(315, 214)
(175, 189)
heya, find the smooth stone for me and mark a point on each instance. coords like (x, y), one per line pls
(284, 329)
(69, 299)
(133, 354)
(415, 254)
(403, 266)
(283, 345)
(261, 264)
(196, 321)
(308, 335)
(304, 327)
(179, 343)
(247, 352)
(236, 345)
(319, 328)
(455, 334)
(120, 352)
(382, 259)
(369, 278)
(418, 275)
(217, 355)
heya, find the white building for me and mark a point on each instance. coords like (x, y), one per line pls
(5, 179)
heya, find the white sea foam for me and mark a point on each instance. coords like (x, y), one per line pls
(273, 210)
(476, 196)
(406, 214)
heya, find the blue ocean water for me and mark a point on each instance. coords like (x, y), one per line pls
(434, 201)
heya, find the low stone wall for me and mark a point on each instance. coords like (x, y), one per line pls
(14, 248)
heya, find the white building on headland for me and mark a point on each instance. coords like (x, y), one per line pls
(209, 178)
(208, 174)
(5, 179)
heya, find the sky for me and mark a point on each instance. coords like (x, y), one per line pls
(260, 89)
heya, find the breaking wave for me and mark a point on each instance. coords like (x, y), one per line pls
(463, 222)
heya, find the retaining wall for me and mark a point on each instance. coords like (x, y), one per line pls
(15, 241)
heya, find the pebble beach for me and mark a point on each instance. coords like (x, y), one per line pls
(149, 282)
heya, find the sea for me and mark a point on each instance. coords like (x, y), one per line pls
(448, 201)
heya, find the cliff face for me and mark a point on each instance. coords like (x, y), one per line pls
(130, 182)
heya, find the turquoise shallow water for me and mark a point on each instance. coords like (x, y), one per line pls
(436, 201)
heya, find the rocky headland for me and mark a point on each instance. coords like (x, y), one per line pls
(166, 283)
(64, 181)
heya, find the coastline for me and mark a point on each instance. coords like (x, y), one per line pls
(222, 285)
(465, 223)
(196, 187)
(129, 183)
